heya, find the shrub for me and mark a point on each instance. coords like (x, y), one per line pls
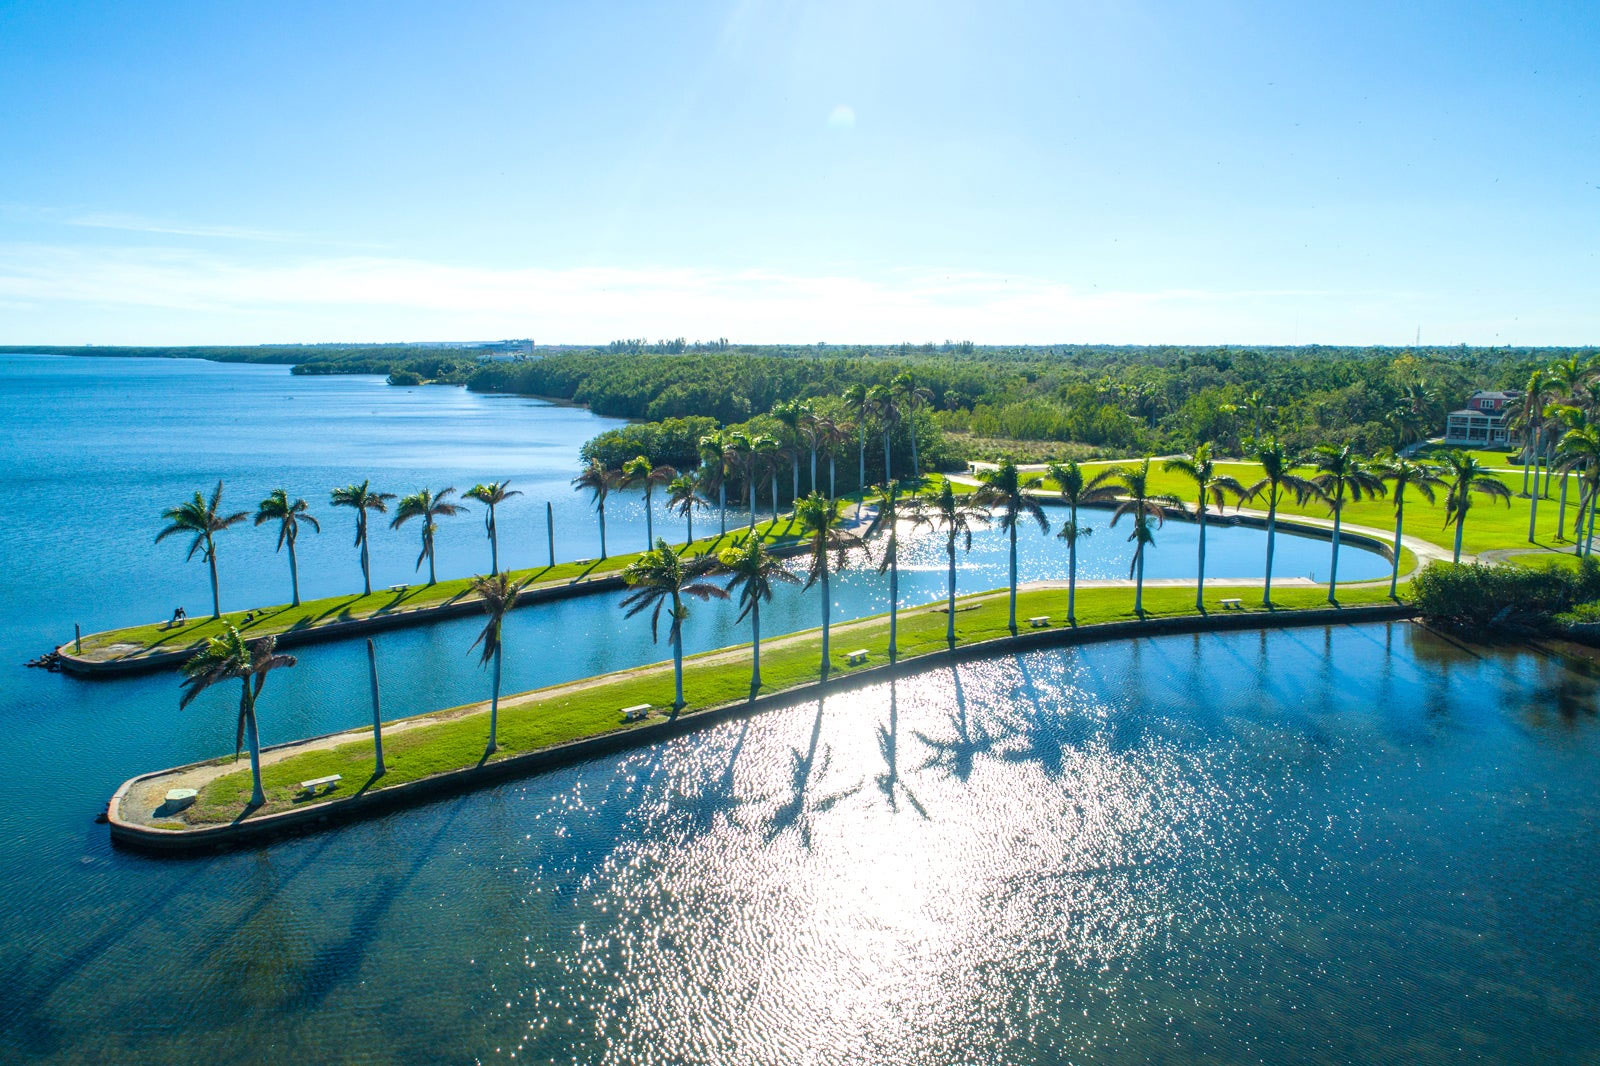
(1478, 596)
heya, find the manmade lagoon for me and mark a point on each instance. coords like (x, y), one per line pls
(1304, 846)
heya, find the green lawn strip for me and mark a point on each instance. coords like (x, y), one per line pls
(282, 618)
(1490, 523)
(532, 722)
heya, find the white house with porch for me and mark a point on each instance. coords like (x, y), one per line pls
(1484, 421)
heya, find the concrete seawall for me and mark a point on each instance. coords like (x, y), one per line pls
(370, 804)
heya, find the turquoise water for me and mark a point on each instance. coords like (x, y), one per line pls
(1309, 846)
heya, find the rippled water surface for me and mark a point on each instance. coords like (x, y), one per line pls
(1321, 846)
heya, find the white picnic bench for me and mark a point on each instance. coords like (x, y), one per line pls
(1232, 603)
(398, 588)
(857, 657)
(316, 783)
(1039, 621)
(636, 712)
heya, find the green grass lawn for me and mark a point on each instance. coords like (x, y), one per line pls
(281, 618)
(536, 721)
(1490, 523)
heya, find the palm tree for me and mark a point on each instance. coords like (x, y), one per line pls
(1201, 469)
(660, 577)
(226, 657)
(1003, 490)
(1132, 485)
(425, 505)
(1530, 419)
(1073, 488)
(752, 569)
(600, 480)
(683, 496)
(499, 595)
(639, 472)
(956, 516)
(714, 461)
(812, 435)
(891, 509)
(818, 517)
(744, 463)
(363, 499)
(1465, 475)
(912, 396)
(490, 495)
(886, 411)
(1278, 475)
(831, 435)
(203, 518)
(277, 508)
(767, 456)
(1340, 473)
(1406, 474)
(1580, 448)
(1256, 406)
(860, 401)
(791, 414)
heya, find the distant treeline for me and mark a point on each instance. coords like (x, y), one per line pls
(1125, 398)
(406, 364)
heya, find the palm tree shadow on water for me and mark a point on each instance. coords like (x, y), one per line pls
(794, 812)
(956, 757)
(889, 782)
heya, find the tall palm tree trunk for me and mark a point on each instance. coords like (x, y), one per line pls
(294, 576)
(774, 497)
(861, 472)
(826, 605)
(814, 473)
(1461, 525)
(1588, 548)
(688, 517)
(649, 522)
(831, 494)
(1072, 568)
(888, 475)
(494, 702)
(916, 464)
(1012, 616)
(755, 645)
(1399, 522)
(366, 562)
(427, 547)
(1561, 515)
(1138, 582)
(1333, 556)
(494, 544)
(211, 561)
(677, 668)
(1533, 506)
(950, 621)
(600, 509)
(253, 739)
(894, 595)
(1200, 583)
(796, 461)
(1272, 530)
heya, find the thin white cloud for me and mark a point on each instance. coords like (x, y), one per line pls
(138, 224)
(842, 117)
(153, 295)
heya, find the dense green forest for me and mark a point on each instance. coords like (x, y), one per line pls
(1032, 402)
(971, 401)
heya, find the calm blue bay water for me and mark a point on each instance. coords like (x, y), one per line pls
(1310, 846)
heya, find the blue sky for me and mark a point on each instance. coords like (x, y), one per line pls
(800, 171)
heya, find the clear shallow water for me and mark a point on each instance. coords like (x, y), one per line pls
(1134, 852)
